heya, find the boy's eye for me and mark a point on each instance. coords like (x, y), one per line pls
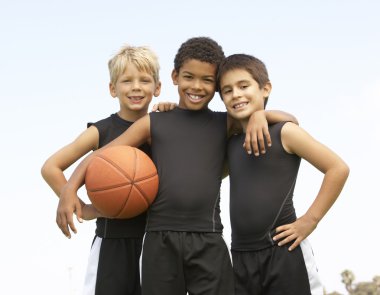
(209, 80)
(187, 77)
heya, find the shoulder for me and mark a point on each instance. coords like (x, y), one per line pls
(100, 123)
(287, 128)
(86, 141)
(143, 122)
(294, 137)
(222, 118)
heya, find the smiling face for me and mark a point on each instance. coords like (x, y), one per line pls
(135, 90)
(196, 84)
(241, 94)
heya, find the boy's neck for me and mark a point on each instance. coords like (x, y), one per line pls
(192, 110)
(131, 116)
(243, 124)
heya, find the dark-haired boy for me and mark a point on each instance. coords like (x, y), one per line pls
(261, 191)
(183, 250)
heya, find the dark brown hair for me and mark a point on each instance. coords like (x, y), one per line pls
(203, 49)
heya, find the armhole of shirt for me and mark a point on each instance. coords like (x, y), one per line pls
(99, 132)
(280, 135)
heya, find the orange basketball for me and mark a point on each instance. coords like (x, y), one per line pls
(121, 182)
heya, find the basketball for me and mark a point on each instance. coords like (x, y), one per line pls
(121, 182)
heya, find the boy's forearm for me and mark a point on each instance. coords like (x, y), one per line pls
(331, 187)
(276, 116)
(77, 178)
(54, 177)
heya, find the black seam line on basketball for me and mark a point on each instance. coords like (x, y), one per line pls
(125, 202)
(145, 198)
(132, 182)
(142, 193)
(136, 158)
(116, 166)
(112, 187)
(145, 177)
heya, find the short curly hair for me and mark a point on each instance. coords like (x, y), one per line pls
(203, 49)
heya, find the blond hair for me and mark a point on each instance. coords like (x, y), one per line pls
(142, 57)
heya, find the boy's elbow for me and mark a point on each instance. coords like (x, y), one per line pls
(46, 169)
(347, 170)
(344, 170)
(295, 120)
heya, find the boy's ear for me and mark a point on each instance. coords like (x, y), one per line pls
(112, 89)
(175, 77)
(267, 89)
(157, 91)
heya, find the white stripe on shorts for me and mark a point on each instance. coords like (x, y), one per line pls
(140, 259)
(316, 287)
(92, 268)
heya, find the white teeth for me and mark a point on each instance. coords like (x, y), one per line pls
(240, 105)
(136, 97)
(195, 97)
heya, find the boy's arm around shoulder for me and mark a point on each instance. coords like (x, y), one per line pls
(297, 141)
(275, 116)
(257, 129)
(137, 134)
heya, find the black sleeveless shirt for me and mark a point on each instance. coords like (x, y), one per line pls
(188, 148)
(261, 191)
(110, 128)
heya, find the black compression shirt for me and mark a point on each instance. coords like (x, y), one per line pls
(188, 148)
(261, 191)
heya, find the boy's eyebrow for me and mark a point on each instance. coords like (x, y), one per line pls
(243, 81)
(142, 74)
(206, 76)
(238, 82)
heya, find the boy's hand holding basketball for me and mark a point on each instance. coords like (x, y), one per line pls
(69, 203)
(257, 133)
(89, 212)
(296, 231)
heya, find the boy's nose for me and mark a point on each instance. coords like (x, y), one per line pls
(235, 93)
(196, 84)
(136, 85)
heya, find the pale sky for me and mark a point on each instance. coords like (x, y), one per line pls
(323, 61)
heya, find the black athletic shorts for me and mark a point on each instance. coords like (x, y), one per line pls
(177, 263)
(113, 267)
(276, 271)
